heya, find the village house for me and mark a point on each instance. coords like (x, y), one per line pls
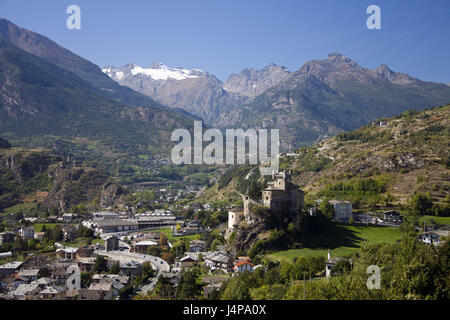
(112, 243)
(52, 219)
(28, 275)
(39, 235)
(142, 246)
(331, 262)
(244, 266)
(218, 261)
(60, 275)
(84, 252)
(19, 280)
(97, 291)
(86, 264)
(52, 293)
(197, 246)
(430, 238)
(69, 233)
(131, 268)
(10, 267)
(118, 281)
(213, 284)
(68, 217)
(392, 217)
(27, 291)
(45, 281)
(123, 279)
(6, 237)
(188, 261)
(342, 209)
(67, 253)
(26, 232)
(211, 288)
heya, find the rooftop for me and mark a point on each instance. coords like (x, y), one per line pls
(11, 265)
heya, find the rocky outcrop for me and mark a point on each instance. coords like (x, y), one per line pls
(77, 185)
(251, 82)
(247, 236)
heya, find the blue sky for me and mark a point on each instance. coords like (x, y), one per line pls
(223, 37)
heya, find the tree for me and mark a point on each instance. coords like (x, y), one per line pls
(162, 240)
(168, 257)
(115, 268)
(43, 272)
(215, 243)
(18, 216)
(154, 251)
(187, 286)
(254, 191)
(20, 244)
(85, 232)
(236, 289)
(327, 209)
(341, 267)
(57, 234)
(147, 270)
(125, 292)
(421, 204)
(164, 288)
(101, 265)
(86, 279)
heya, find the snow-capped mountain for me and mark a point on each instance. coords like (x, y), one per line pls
(193, 90)
(196, 91)
(157, 71)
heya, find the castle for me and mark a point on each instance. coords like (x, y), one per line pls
(281, 195)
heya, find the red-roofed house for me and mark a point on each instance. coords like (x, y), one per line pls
(243, 265)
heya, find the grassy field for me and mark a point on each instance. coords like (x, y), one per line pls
(435, 220)
(170, 237)
(82, 242)
(38, 226)
(342, 240)
(18, 207)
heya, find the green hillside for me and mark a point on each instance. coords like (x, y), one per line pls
(42, 105)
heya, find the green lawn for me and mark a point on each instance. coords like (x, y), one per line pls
(342, 240)
(82, 242)
(435, 220)
(168, 233)
(38, 226)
